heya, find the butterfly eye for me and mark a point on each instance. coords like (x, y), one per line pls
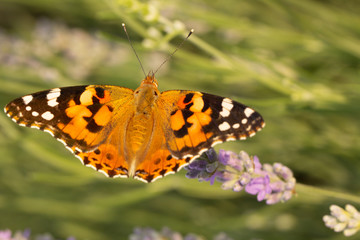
(155, 93)
(137, 91)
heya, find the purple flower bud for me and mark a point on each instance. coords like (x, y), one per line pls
(283, 171)
(211, 167)
(257, 165)
(237, 187)
(211, 155)
(229, 158)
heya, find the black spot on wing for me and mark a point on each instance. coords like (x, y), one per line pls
(149, 178)
(95, 100)
(188, 97)
(109, 156)
(100, 92)
(187, 114)
(111, 173)
(176, 167)
(94, 108)
(162, 172)
(188, 106)
(111, 109)
(93, 127)
(206, 106)
(181, 132)
(184, 129)
(86, 160)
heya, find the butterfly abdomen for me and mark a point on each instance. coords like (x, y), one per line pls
(138, 133)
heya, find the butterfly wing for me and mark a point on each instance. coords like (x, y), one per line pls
(198, 121)
(83, 118)
(188, 123)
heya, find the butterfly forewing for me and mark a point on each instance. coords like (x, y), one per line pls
(77, 116)
(198, 121)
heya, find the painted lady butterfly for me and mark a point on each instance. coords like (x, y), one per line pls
(143, 134)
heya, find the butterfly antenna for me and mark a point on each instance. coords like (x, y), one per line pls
(177, 48)
(127, 35)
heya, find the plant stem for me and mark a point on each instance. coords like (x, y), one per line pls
(310, 190)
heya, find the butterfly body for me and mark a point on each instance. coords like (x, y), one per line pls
(143, 134)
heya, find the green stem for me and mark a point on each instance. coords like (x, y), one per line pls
(315, 191)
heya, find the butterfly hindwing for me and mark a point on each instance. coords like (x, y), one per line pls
(198, 121)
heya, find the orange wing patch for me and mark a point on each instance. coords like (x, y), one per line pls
(105, 159)
(187, 120)
(159, 164)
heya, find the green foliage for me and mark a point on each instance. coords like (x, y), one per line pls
(296, 62)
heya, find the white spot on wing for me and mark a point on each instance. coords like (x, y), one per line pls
(139, 178)
(78, 149)
(224, 126)
(62, 141)
(52, 102)
(230, 138)
(168, 173)
(89, 165)
(227, 105)
(28, 108)
(248, 111)
(52, 97)
(216, 142)
(102, 171)
(47, 115)
(35, 114)
(51, 133)
(120, 176)
(54, 93)
(78, 157)
(244, 121)
(27, 99)
(236, 126)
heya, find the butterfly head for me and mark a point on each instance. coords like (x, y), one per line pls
(150, 79)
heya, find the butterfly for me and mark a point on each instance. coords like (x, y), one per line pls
(144, 134)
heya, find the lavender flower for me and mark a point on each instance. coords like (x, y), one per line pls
(25, 235)
(7, 235)
(167, 234)
(204, 167)
(343, 220)
(259, 186)
(273, 183)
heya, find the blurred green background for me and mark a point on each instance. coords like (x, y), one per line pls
(296, 62)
